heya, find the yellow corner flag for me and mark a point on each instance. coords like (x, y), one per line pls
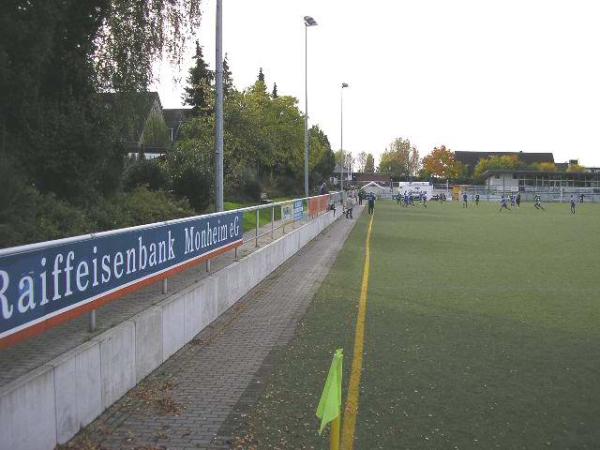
(330, 405)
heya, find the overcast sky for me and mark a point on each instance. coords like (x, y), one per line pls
(475, 75)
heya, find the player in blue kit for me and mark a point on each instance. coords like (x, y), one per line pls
(503, 204)
(538, 202)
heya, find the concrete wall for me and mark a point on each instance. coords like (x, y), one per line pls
(52, 403)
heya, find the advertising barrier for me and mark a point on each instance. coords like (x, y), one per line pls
(318, 205)
(44, 285)
(287, 212)
(298, 210)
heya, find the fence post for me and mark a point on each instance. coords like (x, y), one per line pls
(235, 253)
(257, 224)
(208, 265)
(92, 321)
(165, 285)
(273, 222)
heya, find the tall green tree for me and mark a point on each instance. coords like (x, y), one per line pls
(400, 159)
(370, 163)
(199, 92)
(348, 159)
(322, 157)
(263, 144)
(54, 58)
(361, 161)
(495, 162)
(227, 77)
(274, 93)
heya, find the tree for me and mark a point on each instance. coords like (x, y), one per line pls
(575, 168)
(322, 159)
(370, 163)
(54, 59)
(129, 36)
(274, 93)
(190, 164)
(400, 160)
(361, 161)
(494, 163)
(156, 133)
(261, 75)
(544, 166)
(348, 160)
(263, 143)
(199, 93)
(440, 163)
(227, 78)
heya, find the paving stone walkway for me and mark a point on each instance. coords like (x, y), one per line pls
(184, 402)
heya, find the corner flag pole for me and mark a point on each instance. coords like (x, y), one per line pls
(330, 405)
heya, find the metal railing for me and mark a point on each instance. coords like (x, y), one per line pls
(248, 235)
(271, 227)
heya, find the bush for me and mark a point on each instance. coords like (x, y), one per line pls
(289, 186)
(34, 217)
(141, 206)
(145, 172)
(39, 217)
(250, 187)
(190, 171)
(194, 184)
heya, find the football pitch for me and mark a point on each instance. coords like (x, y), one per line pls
(482, 331)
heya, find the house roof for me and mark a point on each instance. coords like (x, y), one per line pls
(470, 159)
(375, 185)
(131, 110)
(174, 117)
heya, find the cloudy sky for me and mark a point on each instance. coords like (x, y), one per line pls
(503, 75)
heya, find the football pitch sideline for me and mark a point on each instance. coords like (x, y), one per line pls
(481, 331)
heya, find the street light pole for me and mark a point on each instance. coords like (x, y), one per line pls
(344, 85)
(219, 109)
(308, 22)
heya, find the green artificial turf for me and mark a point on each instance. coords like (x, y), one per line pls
(482, 331)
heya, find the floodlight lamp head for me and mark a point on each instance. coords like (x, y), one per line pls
(344, 85)
(309, 21)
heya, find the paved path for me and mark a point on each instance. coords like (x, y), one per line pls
(184, 402)
(27, 356)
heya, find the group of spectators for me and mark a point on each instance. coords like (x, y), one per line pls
(354, 196)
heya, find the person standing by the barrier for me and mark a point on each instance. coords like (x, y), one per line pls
(476, 199)
(518, 200)
(572, 204)
(371, 200)
(323, 188)
(349, 207)
(465, 200)
(580, 198)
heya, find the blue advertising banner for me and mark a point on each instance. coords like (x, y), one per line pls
(48, 281)
(298, 210)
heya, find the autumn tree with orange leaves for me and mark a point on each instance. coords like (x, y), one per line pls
(440, 163)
